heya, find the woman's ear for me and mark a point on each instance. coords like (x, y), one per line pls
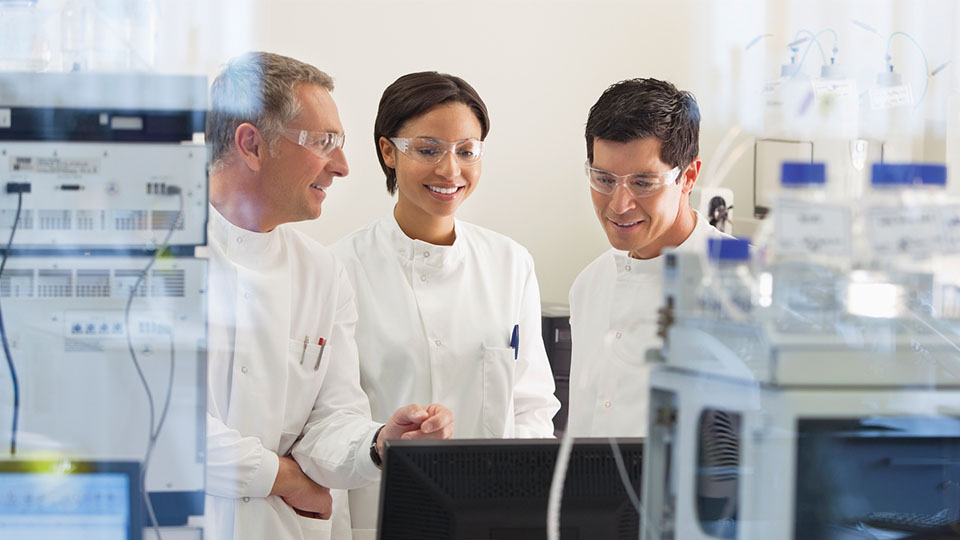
(388, 151)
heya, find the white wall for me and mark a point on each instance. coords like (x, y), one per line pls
(539, 65)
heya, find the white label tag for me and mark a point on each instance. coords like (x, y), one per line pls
(4, 118)
(912, 231)
(807, 229)
(950, 225)
(840, 88)
(890, 97)
(770, 87)
(52, 165)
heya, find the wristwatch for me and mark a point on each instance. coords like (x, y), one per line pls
(374, 455)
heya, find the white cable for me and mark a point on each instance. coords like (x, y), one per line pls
(724, 169)
(625, 477)
(556, 485)
(721, 149)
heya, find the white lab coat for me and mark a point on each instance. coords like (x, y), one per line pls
(435, 327)
(613, 321)
(267, 292)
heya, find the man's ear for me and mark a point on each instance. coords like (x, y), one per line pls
(250, 145)
(689, 176)
(388, 151)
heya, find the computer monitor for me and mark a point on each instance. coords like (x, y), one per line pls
(498, 489)
(75, 500)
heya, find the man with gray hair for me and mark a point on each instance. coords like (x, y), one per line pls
(286, 417)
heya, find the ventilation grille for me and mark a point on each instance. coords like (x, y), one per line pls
(429, 482)
(54, 283)
(54, 220)
(130, 220)
(93, 283)
(720, 445)
(17, 284)
(163, 220)
(124, 281)
(89, 220)
(169, 283)
(718, 472)
(26, 219)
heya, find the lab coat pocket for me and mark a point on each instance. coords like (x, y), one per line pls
(287, 440)
(315, 529)
(306, 367)
(499, 366)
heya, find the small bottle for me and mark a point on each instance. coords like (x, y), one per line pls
(807, 254)
(901, 235)
(121, 35)
(23, 36)
(900, 221)
(75, 47)
(727, 290)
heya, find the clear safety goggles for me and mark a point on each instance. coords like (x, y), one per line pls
(321, 143)
(428, 150)
(640, 185)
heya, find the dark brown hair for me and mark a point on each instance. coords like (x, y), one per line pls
(415, 94)
(640, 108)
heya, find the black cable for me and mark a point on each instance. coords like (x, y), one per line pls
(3, 336)
(153, 431)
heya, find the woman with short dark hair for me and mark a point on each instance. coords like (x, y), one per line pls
(449, 312)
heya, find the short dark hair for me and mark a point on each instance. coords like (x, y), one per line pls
(415, 94)
(640, 108)
(257, 88)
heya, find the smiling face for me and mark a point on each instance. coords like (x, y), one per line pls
(641, 226)
(430, 193)
(297, 177)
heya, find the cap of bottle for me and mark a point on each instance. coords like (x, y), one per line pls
(729, 249)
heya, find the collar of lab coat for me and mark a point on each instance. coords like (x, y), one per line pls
(248, 248)
(632, 269)
(408, 250)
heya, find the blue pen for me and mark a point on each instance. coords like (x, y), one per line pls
(515, 341)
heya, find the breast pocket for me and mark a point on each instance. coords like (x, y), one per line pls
(306, 367)
(498, 370)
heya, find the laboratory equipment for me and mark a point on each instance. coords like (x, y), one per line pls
(846, 426)
(104, 199)
(104, 159)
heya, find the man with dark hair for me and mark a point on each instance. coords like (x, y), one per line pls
(286, 417)
(642, 145)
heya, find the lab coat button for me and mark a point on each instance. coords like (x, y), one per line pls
(423, 278)
(619, 335)
(239, 240)
(627, 268)
(607, 404)
(426, 253)
(243, 369)
(437, 342)
(246, 499)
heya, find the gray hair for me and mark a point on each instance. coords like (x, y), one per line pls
(256, 88)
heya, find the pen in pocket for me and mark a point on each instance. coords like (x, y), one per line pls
(323, 345)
